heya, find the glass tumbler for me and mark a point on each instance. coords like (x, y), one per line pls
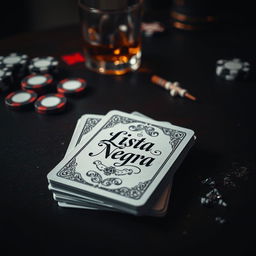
(111, 33)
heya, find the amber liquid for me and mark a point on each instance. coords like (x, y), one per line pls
(117, 57)
(112, 59)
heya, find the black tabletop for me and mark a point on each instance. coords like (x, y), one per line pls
(224, 152)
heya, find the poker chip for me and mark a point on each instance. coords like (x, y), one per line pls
(37, 82)
(17, 63)
(5, 78)
(50, 103)
(233, 69)
(43, 65)
(72, 86)
(20, 99)
(14, 60)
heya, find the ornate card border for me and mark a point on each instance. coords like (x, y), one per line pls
(69, 170)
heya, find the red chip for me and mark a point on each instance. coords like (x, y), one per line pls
(50, 103)
(20, 99)
(37, 82)
(71, 86)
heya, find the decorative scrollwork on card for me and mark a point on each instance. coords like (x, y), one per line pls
(148, 129)
(134, 193)
(111, 170)
(175, 136)
(88, 126)
(97, 178)
(116, 119)
(69, 171)
(108, 177)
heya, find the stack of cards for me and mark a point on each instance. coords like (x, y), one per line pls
(120, 162)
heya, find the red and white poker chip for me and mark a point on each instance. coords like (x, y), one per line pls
(71, 86)
(37, 82)
(20, 99)
(50, 103)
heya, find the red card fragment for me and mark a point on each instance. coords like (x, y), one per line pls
(73, 58)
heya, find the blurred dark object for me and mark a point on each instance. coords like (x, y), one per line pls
(201, 14)
(237, 13)
(13, 18)
(30, 15)
(193, 14)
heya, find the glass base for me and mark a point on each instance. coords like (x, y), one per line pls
(114, 68)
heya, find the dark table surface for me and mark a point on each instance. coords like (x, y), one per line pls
(222, 118)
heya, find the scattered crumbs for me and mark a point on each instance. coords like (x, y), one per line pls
(241, 172)
(62, 143)
(222, 203)
(213, 197)
(220, 220)
(208, 181)
(232, 177)
(227, 182)
(224, 180)
(205, 201)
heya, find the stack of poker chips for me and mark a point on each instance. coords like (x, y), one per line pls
(5, 78)
(37, 84)
(12, 68)
(16, 62)
(16, 66)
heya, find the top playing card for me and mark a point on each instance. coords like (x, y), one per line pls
(123, 159)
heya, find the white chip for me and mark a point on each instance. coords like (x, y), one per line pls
(233, 65)
(11, 60)
(50, 101)
(37, 80)
(21, 97)
(72, 85)
(42, 63)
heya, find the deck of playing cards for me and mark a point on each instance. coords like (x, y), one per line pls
(120, 162)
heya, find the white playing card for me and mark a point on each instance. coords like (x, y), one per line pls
(158, 209)
(84, 125)
(123, 160)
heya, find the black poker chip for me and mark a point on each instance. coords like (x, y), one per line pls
(20, 99)
(72, 86)
(43, 65)
(17, 63)
(37, 82)
(14, 60)
(50, 103)
(234, 69)
(5, 78)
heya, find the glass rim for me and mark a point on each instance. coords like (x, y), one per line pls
(126, 9)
